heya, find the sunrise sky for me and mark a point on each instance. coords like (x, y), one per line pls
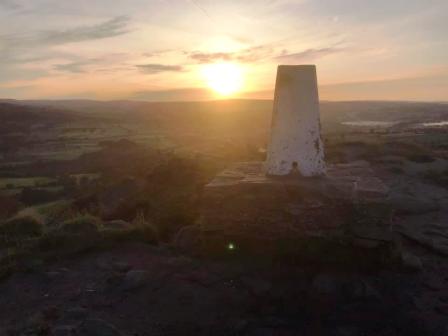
(163, 49)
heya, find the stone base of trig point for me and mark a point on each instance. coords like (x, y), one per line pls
(341, 217)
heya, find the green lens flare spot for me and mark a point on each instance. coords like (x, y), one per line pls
(231, 246)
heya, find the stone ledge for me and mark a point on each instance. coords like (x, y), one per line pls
(343, 209)
(355, 181)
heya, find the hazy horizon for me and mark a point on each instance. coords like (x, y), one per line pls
(211, 100)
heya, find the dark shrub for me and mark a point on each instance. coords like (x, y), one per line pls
(8, 206)
(117, 224)
(188, 238)
(88, 202)
(68, 183)
(146, 230)
(175, 218)
(73, 236)
(421, 158)
(173, 192)
(148, 234)
(139, 230)
(21, 227)
(82, 224)
(438, 178)
(69, 242)
(145, 235)
(31, 196)
(396, 170)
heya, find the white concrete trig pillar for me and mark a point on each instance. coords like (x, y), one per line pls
(296, 145)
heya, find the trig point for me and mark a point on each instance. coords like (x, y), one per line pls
(247, 208)
(295, 145)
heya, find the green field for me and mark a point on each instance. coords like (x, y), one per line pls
(23, 182)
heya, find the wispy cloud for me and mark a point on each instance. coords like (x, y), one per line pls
(307, 55)
(252, 54)
(110, 28)
(9, 4)
(19, 49)
(75, 67)
(158, 68)
(258, 53)
(204, 57)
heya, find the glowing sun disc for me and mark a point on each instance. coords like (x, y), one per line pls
(223, 78)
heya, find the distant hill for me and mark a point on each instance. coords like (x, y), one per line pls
(116, 107)
(23, 113)
(18, 116)
(382, 111)
(217, 115)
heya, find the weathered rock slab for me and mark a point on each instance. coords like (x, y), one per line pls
(243, 208)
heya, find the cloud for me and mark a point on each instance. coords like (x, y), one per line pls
(256, 53)
(11, 73)
(107, 63)
(110, 28)
(17, 50)
(9, 4)
(252, 54)
(158, 68)
(307, 55)
(75, 67)
(160, 52)
(113, 27)
(201, 57)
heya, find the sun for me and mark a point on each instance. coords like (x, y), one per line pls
(223, 78)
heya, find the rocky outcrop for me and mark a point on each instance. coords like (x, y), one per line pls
(327, 218)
